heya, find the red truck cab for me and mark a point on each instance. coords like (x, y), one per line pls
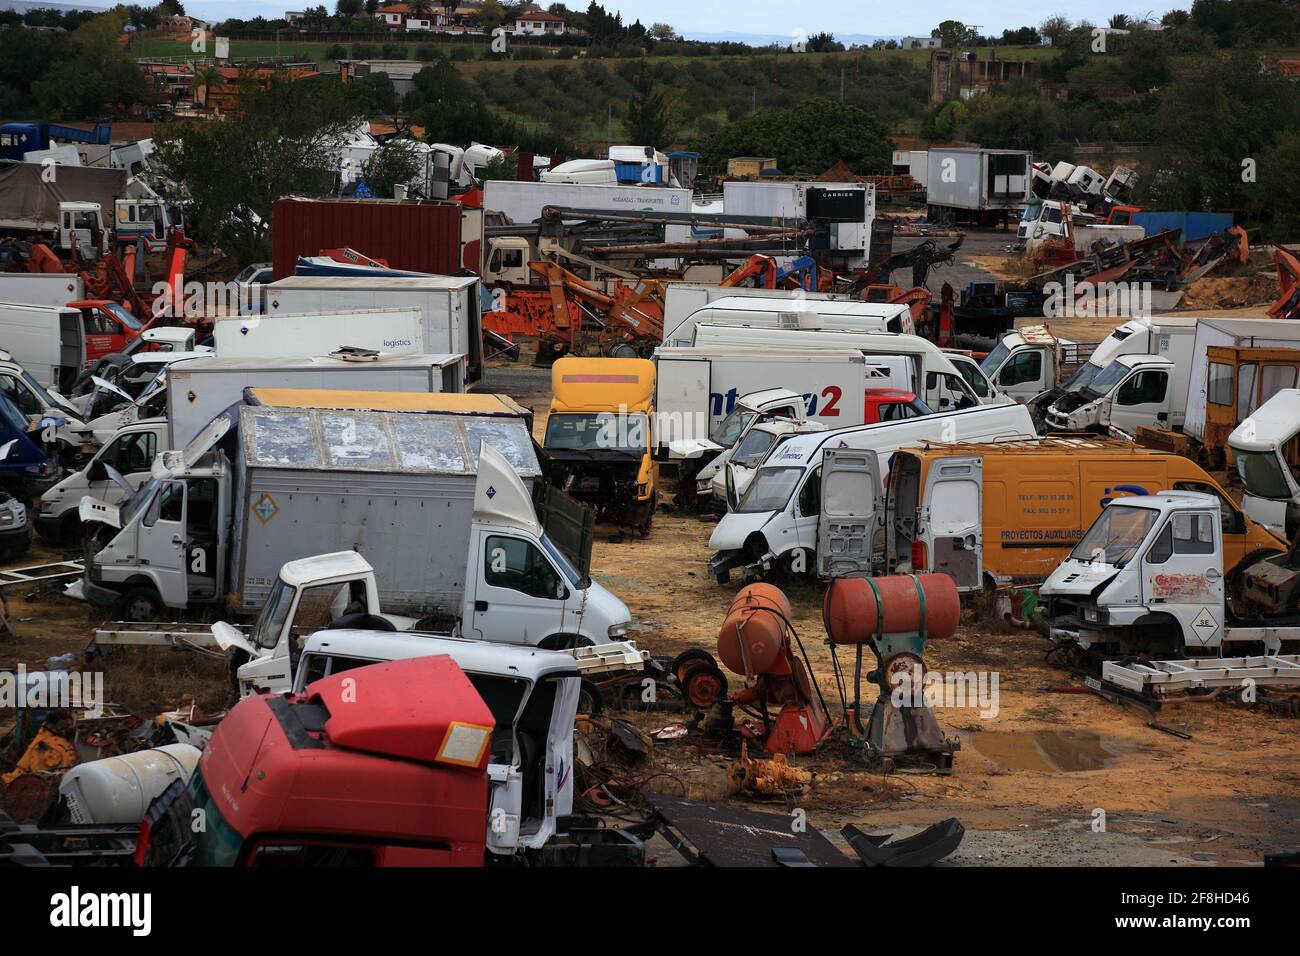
(379, 766)
(109, 327)
(892, 405)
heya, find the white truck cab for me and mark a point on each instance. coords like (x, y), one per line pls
(1266, 453)
(1148, 577)
(1031, 360)
(1132, 391)
(118, 468)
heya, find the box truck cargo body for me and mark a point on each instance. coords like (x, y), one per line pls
(286, 335)
(1241, 333)
(976, 183)
(52, 289)
(46, 341)
(198, 390)
(523, 202)
(682, 299)
(449, 306)
(794, 313)
(847, 211)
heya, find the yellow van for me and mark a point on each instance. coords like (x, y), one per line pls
(598, 437)
(1009, 513)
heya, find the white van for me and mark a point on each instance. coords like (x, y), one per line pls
(48, 341)
(682, 299)
(933, 377)
(779, 518)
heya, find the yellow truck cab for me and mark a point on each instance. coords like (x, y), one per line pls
(598, 437)
(1009, 512)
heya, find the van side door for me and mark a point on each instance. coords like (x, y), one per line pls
(952, 520)
(851, 509)
(1141, 399)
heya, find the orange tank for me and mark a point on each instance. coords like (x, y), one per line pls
(851, 612)
(752, 636)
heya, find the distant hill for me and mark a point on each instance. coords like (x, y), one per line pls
(22, 6)
(764, 39)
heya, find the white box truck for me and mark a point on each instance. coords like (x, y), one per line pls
(283, 335)
(48, 341)
(979, 185)
(438, 504)
(200, 389)
(1087, 400)
(1238, 333)
(928, 371)
(449, 306)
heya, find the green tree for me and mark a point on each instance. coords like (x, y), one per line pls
(652, 114)
(955, 34)
(504, 166)
(1010, 121)
(1275, 198)
(285, 142)
(806, 139)
(95, 76)
(396, 162)
(1055, 28)
(349, 8)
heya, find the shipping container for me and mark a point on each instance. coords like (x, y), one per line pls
(1194, 225)
(419, 236)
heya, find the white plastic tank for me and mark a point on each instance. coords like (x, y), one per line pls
(120, 789)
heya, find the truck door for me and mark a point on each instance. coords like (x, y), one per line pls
(132, 455)
(1024, 374)
(519, 597)
(682, 402)
(952, 525)
(160, 547)
(850, 512)
(1181, 575)
(1141, 399)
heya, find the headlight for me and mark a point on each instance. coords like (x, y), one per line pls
(7, 518)
(1091, 615)
(618, 631)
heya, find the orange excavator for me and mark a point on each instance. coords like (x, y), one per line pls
(626, 322)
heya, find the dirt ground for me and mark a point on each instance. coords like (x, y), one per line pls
(1051, 778)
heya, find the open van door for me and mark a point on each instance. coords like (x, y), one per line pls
(681, 394)
(851, 509)
(952, 520)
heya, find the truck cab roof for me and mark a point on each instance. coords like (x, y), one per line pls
(1272, 425)
(445, 403)
(319, 567)
(481, 657)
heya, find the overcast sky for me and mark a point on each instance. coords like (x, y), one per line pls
(781, 17)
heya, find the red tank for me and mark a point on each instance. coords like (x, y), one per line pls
(852, 612)
(753, 635)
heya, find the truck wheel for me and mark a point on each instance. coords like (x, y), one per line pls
(142, 604)
(590, 700)
(689, 658)
(71, 530)
(703, 684)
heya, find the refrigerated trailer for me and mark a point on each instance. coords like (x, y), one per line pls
(286, 335)
(979, 185)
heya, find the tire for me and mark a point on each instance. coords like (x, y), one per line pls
(71, 529)
(141, 605)
(590, 700)
(692, 656)
(703, 684)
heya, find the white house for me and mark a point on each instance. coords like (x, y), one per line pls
(539, 23)
(412, 24)
(921, 43)
(293, 16)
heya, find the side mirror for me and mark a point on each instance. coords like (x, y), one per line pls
(97, 472)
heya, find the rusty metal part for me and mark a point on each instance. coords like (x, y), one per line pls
(774, 777)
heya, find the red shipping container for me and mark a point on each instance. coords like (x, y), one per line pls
(407, 234)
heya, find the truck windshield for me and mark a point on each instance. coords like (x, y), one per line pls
(123, 316)
(266, 632)
(770, 490)
(1116, 534)
(576, 580)
(138, 502)
(603, 431)
(1110, 376)
(217, 843)
(753, 448)
(1261, 472)
(728, 430)
(40, 391)
(993, 361)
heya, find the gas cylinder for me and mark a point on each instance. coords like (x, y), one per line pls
(753, 634)
(852, 613)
